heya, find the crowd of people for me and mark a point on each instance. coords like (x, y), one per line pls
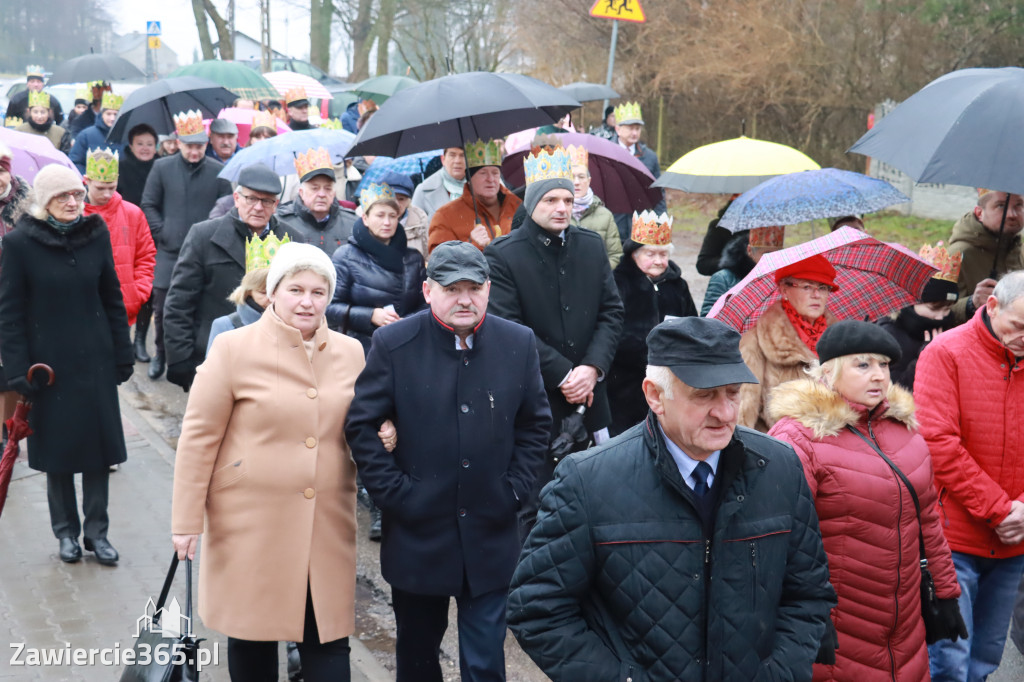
(547, 427)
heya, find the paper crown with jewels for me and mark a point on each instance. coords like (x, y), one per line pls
(578, 156)
(296, 94)
(483, 153)
(112, 101)
(259, 252)
(34, 71)
(306, 165)
(372, 193)
(84, 94)
(188, 123)
(555, 165)
(12, 122)
(628, 112)
(768, 237)
(651, 229)
(330, 124)
(38, 99)
(101, 165)
(947, 264)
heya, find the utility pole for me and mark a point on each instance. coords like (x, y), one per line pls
(265, 35)
(231, 20)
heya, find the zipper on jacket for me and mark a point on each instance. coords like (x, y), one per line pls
(707, 605)
(899, 564)
(942, 507)
(753, 564)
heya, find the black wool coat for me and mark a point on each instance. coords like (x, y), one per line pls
(646, 304)
(132, 176)
(302, 227)
(472, 432)
(567, 296)
(60, 304)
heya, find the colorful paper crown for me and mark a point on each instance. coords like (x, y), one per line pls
(628, 112)
(84, 94)
(578, 156)
(545, 143)
(481, 153)
(188, 123)
(102, 85)
(948, 264)
(38, 99)
(331, 124)
(768, 237)
(651, 229)
(544, 166)
(101, 165)
(259, 252)
(12, 122)
(34, 71)
(112, 101)
(295, 94)
(373, 193)
(313, 160)
(263, 119)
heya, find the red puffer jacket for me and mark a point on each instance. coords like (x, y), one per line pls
(869, 525)
(971, 393)
(134, 250)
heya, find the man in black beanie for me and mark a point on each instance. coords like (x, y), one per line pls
(607, 127)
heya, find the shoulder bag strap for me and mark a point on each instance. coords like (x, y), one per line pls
(169, 580)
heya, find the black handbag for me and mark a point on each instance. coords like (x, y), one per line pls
(934, 630)
(158, 658)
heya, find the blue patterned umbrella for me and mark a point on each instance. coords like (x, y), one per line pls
(279, 152)
(405, 165)
(796, 197)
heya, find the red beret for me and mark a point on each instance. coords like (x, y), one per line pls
(814, 269)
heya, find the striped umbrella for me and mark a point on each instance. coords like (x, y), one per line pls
(874, 279)
(286, 80)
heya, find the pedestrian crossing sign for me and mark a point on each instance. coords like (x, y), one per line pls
(152, 28)
(154, 42)
(623, 10)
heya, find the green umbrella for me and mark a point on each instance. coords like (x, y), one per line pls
(379, 88)
(236, 77)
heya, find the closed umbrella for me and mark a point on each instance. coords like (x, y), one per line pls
(733, 166)
(17, 429)
(94, 67)
(279, 152)
(236, 77)
(589, 92)
(382, 88)
(157, 103)
(31, 153)
(288, 80)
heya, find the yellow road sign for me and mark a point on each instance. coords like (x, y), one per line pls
(154, 42)
(623, 10)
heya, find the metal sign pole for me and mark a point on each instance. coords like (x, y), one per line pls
(611, 65)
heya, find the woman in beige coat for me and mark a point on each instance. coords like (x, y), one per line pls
(264, 473)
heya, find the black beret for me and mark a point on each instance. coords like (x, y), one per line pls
(853, 337)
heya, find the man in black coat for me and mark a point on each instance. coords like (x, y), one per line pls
(315, 216)
(685, 549)
(211, 265)
(472, 420)
(180, 191)
(18, 105)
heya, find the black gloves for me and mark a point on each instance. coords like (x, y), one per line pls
(182, 373)
(829, 644)
(29, 389)
(950, 623)
(124, 373)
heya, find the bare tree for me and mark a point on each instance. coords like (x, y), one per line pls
(358, 18)
(202, 10)
(321, 14)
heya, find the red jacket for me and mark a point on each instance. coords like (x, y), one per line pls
(970, 390)
(869, 525)
(134, 250)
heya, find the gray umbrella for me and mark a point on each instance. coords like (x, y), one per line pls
(589, 92)
(94, 67)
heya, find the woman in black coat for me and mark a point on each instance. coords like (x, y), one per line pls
(60, 304)
(380, 279)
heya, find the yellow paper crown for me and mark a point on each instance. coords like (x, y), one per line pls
(112, 101)
(259, 252)
(651, 229)
(483, 153)
(313, 160)
(544, 166)
(83, 93)
(188, 123)
(628, 112)
(373, 193)
(295, 94)
(331, 124)
(38, 99)
(101, 165)
(947, 264)
(578, 155)
(263, 119)
(768, 237)
(12, 122)
(34, 71)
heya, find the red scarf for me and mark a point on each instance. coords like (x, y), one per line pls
(808, 331)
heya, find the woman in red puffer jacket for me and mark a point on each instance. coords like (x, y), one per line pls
(868, 520)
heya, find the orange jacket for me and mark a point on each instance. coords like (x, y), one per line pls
(456, 219)
(134, 250)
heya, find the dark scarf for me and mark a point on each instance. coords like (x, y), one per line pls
(808, 331)
(390, 256)
(916, 325)
(41, 128)
(296, 125)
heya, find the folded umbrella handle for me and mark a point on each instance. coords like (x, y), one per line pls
(41, 367)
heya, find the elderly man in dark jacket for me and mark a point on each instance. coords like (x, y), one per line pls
(629, 125)
(211, 265)
(466, 396)
(314, 216)
(180, 191)
(684, 549)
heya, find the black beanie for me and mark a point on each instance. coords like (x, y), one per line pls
(940, 291)
(853, 337)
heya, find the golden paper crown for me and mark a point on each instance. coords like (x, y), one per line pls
(112, 101)
(313, 160)
(102, 85)
(544, 166)
(259, 252)
(331, 124)
(12, 122)
(188, 123)
(373, 193)
(38, 99)
(263, 119)
(578, 156)
(101, 165)
(628, 112)
(295, 94)
(947, 264)
(768, 237)
(84, 94)
(651, 229)
(481, 153)
(34, 71)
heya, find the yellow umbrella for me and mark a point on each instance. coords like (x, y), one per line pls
(733, 166)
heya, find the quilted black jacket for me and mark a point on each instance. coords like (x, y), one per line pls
(617, 580)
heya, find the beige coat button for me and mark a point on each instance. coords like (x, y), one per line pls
(311, 392)
(309, 493)
(311, 442)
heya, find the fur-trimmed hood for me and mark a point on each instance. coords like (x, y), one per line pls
(825, 412)
(16, 203)
(84, 232)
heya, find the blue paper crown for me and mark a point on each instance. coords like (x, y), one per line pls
(545, 166)
(373, 193)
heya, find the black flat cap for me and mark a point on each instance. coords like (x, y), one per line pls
(260, 178)
(853, 337)
(701, 352)
(455, 261)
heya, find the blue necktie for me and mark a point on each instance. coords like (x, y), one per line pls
(700, 478)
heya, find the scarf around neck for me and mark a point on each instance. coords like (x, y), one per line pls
(390, 256)
(41, 127)
(580, 206)
(451, 185)
(808, 331)
(62, 228)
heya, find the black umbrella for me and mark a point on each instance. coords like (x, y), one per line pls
(95, 67)
(589, 92)
(156, 104)
(453, 110)
(572, 437)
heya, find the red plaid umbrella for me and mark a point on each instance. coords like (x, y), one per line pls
(874, 279)
(18, 428)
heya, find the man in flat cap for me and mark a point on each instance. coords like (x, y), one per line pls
(465, 393)
(223, 140)
(210, 266)
(687, 548)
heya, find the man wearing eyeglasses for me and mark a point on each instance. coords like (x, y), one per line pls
(211, 264)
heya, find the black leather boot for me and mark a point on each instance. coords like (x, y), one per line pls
(157, 366)
(141, 327)
(70, 550)
(375, 529)
(104, 551)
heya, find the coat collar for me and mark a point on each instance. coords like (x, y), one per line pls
(290, 337)
(447, 333)
(86, 231)
(231, 234)
(826, 413)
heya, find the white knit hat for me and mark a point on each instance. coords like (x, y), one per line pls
(50, 181)
(292, 258)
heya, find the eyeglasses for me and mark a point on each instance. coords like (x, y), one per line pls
(78, 196)
(251, 200)
(811, 288)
